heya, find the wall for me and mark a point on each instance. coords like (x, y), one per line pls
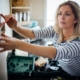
(37, 11)
(6, 10)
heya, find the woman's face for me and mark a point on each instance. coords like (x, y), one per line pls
(66, 17)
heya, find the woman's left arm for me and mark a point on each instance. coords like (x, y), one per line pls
(9, 43)
(45, 51)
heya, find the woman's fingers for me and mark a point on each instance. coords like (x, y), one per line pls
(2, 39)
(3, 35)
(3, 44)
(8, 17)
(1, 24)
(2, 50)
(2, 16)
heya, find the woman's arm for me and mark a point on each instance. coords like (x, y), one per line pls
(13, 24)
(47, 32)
(13, 43)
(25, 32)
(45, 51)
(68, 51)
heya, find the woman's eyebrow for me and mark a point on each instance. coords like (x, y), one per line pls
(66, 11)
(69, 11)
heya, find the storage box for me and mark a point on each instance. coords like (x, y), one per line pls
(20, 65)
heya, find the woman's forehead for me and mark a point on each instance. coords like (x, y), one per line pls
(65, 8)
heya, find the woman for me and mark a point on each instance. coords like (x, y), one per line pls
(65, 33)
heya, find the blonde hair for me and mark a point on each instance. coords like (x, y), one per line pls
(76, 11)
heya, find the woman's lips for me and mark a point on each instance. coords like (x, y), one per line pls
(62, 22)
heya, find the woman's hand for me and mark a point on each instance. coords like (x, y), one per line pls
(10, 20)
(8, 43)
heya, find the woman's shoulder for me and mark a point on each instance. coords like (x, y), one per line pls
(76, 39)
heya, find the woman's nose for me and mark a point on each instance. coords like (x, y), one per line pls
(63, 16)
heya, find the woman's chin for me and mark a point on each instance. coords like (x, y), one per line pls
(62, 27)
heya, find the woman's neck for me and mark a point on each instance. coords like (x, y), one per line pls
(67, 34)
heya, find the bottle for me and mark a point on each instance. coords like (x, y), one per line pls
(28, 16)
(24, 16)
(20, 16)
(16, 16)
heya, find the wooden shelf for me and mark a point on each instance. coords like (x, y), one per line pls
(22, 12)
(24, 22)
(20, 7)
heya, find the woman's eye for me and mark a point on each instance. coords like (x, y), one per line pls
(59, 13)
(67, 14)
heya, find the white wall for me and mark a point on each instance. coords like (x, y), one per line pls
(37, 11)
(6, 10)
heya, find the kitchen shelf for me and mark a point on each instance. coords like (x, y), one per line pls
(20, 7)
(24, 22)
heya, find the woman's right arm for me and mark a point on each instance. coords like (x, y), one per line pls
(47, 32)
(13, 24)
(25, 32)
